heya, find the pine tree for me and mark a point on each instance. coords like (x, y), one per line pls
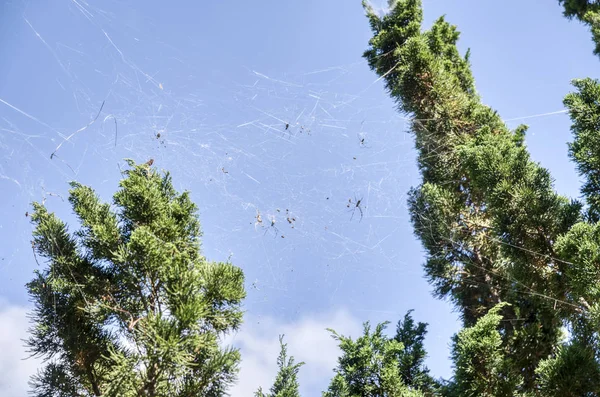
(127, 305)
(286, 383)
(369, 366)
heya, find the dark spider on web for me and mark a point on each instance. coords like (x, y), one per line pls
(272, 227)
(355, 205)
(362, 141)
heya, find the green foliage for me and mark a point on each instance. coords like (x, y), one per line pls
(518, 260)
(286, 383)
(588, 12)
(584, 109)
(486, 214)
(369, 366)
(411, 360)
(571, 372)
(581, 247)
(127, 305)
(481, 365)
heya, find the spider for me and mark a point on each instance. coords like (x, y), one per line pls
(258, 219)
(362, 141)
(272, 226)
(354, 205)
(287, 126)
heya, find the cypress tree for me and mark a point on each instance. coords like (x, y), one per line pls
(482, 368)
(286, 382)
(369, 366)
(587, 12)
(411, 360)
(493, 227)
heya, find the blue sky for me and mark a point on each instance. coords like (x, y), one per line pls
(206, 89)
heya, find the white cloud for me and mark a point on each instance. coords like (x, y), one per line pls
(381, 7)
(308, 341)
(14, 369)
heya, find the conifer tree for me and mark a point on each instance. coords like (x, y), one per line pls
(127, 305)
(286, 382)
(411, 360)
(574, 367)
(518, 260)
(587, 12)
(482, 368)
(494, 229)
(369, 366)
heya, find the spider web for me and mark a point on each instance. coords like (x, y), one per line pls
(301, 176)
(283, 166)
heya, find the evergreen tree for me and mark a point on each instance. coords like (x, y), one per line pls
(482, 368)
(127, 305)
(286, 383)
(573, 370)
(369, 367)
(411, 360)
(494, 229)
(588, 12)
